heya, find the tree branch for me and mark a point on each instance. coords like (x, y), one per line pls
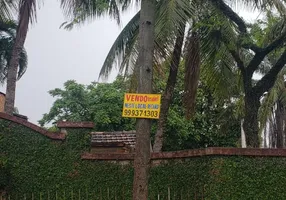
(228, 12)
(279, 41)
(238, 60)
(255, 62)
(252, 47)
(269, 79)
(260, 55)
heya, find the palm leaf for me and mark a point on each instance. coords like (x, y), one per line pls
(122, 47)
(79, 12)
(123, 52)
(7, 39)
(7, 9)
(269, 101)
(218, 68)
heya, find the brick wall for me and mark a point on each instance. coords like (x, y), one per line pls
(23, 122)
(163, 157)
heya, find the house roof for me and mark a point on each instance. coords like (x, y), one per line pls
(113, 138)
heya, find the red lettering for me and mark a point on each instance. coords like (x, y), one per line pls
(140, 98)
(136, 98)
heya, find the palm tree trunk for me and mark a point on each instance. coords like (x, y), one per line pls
(145, 76)
(168, 93)
(12, 74)
(24, 16)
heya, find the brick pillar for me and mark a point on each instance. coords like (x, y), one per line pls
(2, 101)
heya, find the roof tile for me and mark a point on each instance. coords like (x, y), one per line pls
(126, 137)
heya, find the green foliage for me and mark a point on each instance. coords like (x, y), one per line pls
(102, 104)
(247, 178)
(214, 122)
(38, 164)
(4, 172)
(7, 36)
(97, 102)
(37, 168)
(212, 125)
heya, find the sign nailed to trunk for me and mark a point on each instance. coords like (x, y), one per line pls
(141, 105)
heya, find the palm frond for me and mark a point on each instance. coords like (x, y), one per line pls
(265, 5)
(79, 12)
(122, 47)
(269, 101)
(218, 68)
(7, 39)
(8, 27)
(123, 52)
(8, 8)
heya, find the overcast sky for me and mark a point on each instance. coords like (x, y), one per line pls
(56, 55)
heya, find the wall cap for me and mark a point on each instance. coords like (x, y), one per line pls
(51, 135)
(210, 151)
(68, 124)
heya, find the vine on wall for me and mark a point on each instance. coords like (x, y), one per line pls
(33, 166)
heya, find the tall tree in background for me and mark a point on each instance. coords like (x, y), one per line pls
(97, 102)
(243, 41)
(145, 78)
(27, 13)
(224, 35)
(228, 30)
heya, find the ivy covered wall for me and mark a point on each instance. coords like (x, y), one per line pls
(33, 166)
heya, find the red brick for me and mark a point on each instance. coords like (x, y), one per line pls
(62, 124)
(51, 135)
(211, 151)
(105, 156)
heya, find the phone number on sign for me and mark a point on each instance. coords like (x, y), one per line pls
(141, 113)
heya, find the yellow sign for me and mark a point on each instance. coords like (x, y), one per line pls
(141, 105)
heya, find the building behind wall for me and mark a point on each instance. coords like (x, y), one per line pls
(2, 101)
(113, 142)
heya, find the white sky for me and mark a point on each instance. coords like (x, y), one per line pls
(56, 55)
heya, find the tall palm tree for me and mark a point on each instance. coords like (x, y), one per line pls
(27, 14)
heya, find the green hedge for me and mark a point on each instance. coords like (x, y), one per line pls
(34, 167)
